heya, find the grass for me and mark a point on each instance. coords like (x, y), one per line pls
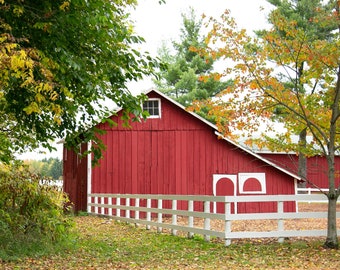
(105, 244)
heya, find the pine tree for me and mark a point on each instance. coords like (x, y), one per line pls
(183, 77)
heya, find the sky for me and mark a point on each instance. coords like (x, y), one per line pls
(158, 23)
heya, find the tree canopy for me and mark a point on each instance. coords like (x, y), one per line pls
(60, 61)
(182, 77)
(267, 76)
(50, 168)
(302, 12)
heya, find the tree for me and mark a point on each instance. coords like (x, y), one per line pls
(302, 11)
(51, 167)
(266, 76)
(56, 168)
(60, 61)
(181, 79)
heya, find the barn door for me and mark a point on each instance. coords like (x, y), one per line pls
(224, 185)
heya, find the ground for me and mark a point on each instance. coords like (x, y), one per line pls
(105, 244)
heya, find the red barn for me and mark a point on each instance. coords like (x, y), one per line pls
(174, 152)
(317, 168)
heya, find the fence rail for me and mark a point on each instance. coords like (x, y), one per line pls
(150, 210)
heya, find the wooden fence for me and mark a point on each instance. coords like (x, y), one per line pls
(151, 210)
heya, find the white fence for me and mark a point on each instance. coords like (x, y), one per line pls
(310, 191)
(149, 210)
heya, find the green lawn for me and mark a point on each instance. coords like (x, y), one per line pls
(105, 244)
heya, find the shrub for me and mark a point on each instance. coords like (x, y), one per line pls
(30, 210)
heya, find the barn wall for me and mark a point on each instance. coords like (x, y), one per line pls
(177, 154)
(75, 178)
(316, 167)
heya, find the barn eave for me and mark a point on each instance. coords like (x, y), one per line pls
(259, 157)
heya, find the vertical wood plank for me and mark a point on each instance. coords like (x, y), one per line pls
(227, 228)
(207, 220)
(280, 222)
(109, 202)
(190, 218)
(174, 217)
(159, 215)
(118, 204)
(148, 214)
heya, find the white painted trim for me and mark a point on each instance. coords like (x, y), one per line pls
(159, 108)
(89, 175)
(243, 177)
(218, 177)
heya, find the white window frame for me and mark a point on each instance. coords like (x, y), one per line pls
(159, 108)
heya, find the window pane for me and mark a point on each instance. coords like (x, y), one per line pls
(152, 106)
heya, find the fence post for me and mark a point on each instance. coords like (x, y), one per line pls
(159, 215)
(96, 207)
(89, 200)
(127, 212)
(174, 217)
(280, 224)
(207, 220)
(148, 214)
(109, 202)
(102, 207)
(137, 211)
(227, 225)
(190, 218)
(118, 204)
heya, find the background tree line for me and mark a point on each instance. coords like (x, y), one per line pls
(50, 168)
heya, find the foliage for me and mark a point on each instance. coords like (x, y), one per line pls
(267, 77)
(51, 168)
(105, 244)
(181, 78)
(29, 212)
(302, 12)
(60, 62)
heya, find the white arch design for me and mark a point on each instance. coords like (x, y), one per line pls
(218, 177)
(243, 177)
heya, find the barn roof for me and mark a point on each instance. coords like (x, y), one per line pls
(248, 151)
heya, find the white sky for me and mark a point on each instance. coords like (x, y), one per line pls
(158, 23)
(161, 23)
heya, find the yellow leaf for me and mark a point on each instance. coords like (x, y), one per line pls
(39, 97)
(32, 108)
(253, 85)
(64, 6)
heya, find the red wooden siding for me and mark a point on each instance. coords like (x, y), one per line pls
(75, 178)
(176, 154)
(316, 167)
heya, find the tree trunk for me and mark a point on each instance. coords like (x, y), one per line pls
(302, 163)
(333, 194)
(332, 238)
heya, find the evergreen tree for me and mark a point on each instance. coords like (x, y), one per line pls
(186, 68)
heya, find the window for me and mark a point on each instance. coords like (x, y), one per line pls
(153, 107)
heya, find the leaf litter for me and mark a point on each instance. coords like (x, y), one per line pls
(106, 244)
